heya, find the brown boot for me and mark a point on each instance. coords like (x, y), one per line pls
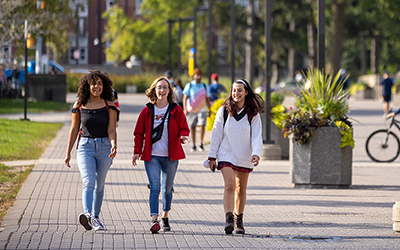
(239, 224)
(229, 223)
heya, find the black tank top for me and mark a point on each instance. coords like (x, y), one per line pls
(94, 122)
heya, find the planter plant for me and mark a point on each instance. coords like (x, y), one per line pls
(320, 132)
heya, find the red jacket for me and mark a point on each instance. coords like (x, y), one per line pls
(177, 126)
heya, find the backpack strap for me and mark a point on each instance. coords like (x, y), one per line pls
(226, 116)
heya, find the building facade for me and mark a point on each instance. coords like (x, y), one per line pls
(87, 45)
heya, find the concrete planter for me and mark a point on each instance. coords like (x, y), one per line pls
(321, 163)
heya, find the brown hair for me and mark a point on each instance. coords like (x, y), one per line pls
(90, 79)
(253, 102)
(197, 71)
(151, 92)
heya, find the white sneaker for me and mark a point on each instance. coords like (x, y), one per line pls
(97, 225)
(84, 219)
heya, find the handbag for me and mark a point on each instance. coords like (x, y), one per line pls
(157, 131)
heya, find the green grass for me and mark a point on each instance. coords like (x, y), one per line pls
(9, 106)
(11, 180)
(25, 140)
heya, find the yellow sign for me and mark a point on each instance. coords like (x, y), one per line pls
(191, 62)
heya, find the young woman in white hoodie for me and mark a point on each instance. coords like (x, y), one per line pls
(236, 142)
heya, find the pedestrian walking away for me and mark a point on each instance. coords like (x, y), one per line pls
(196, 96)
(385, 88)
(216, 88)
(162, 128)
(236, 143)
(96, 114)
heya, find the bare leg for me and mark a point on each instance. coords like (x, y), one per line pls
(202, 131)
(229, 191)
(241, 188)
(193, 134)
(386, 107)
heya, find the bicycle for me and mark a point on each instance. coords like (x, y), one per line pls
(383, 145)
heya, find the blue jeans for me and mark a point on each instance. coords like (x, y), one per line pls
(167, 168)
(93, 163)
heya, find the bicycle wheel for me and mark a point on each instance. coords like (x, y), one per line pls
(382, 146)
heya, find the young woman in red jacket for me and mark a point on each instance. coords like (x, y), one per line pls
(162, 128)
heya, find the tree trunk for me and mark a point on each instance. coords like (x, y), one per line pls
(291, 56)
(312, 59)
(336, 36)
(249, 65)
(363, 56)
(274, 76)
(375, 41)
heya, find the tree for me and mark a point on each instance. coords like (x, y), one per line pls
(147, 38)
(47, 20)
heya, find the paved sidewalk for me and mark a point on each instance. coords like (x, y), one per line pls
(277, 216)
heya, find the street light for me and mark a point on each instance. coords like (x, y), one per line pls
(26, 70)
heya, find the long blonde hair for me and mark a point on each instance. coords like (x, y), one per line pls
(151, 92)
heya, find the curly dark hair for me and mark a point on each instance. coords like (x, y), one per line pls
(90, 79)
(253, 102)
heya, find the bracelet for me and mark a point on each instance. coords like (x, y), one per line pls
(113, 146)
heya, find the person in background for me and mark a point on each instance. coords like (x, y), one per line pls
(168, 74)
(3, 80)
(236, 142)
(52, 70)
(343, 77)
(116, 103)
(385, 88)
(15, 77)
(96, 114)
(178, 92)
(298, 76)
(159, 132)
(215, 88)
(196, 97)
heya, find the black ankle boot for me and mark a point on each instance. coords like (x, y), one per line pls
(239, 224)
(229, 223)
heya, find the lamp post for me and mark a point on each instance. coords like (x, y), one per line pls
(26, 70)
(321, 34)
(267, 49)
(270, 150)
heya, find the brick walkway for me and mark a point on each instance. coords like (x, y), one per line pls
(276, 214)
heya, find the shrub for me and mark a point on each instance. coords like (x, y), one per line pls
(322, 105)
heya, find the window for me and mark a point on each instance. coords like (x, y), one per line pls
(82, 54)
(110, 4)
(138, 5)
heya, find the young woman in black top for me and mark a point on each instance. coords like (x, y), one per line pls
(96, 114)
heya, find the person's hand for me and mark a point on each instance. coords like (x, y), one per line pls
(209, 113)
(390, 115)
(255, 160)
(185, 139)
(134, 159)
(113, 151)
(66, 160)
(213, 165)
(185, 112)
